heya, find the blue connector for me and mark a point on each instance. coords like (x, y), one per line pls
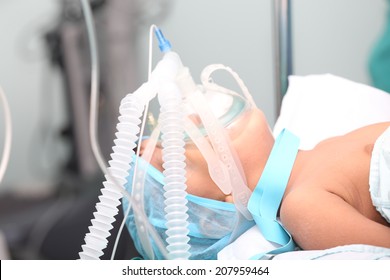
(163, 43)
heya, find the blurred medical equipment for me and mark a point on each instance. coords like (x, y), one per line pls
(69, 50)
(68, 46)
(283, 48)
(36, 226)
(7, 134)
(4, 252)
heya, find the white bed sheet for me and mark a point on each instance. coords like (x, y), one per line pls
(348, 252)
(252, 242)
(315, 108)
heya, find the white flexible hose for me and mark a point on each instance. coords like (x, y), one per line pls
(172, 129)
(127, 129)
(96, 239)
(131, 109)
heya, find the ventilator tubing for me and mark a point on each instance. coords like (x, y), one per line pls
(164, 72)
(127, 129)
(171, 124)
(131, 109)
(172, 129)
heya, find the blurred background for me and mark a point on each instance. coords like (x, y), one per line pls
(48, 194)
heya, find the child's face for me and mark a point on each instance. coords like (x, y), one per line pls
(250, 137)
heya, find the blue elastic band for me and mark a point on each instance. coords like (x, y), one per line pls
(266, 197)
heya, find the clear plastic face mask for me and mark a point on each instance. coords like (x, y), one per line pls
(226, 105)
(213, 126)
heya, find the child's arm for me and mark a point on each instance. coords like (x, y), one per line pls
(318, 219)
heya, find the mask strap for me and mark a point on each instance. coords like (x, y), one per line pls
(143, 226)
(219, 140)
(266, 197)
(218, 171)
(225, 151)
(138, 191)
(208, 84)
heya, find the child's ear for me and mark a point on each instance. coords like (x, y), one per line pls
(229, 198)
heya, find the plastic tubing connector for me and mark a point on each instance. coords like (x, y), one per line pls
(163, 43)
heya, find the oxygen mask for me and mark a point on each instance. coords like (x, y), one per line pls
(226, 105)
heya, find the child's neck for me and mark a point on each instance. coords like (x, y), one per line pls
(296, 170)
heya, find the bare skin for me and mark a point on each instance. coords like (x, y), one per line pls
(327, 201)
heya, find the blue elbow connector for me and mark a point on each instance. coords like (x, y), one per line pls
(163, 43)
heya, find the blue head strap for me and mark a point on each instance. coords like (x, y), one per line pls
(267, 195)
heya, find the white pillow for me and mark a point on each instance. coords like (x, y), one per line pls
(317, 107)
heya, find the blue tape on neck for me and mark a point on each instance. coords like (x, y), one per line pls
(268, 193)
